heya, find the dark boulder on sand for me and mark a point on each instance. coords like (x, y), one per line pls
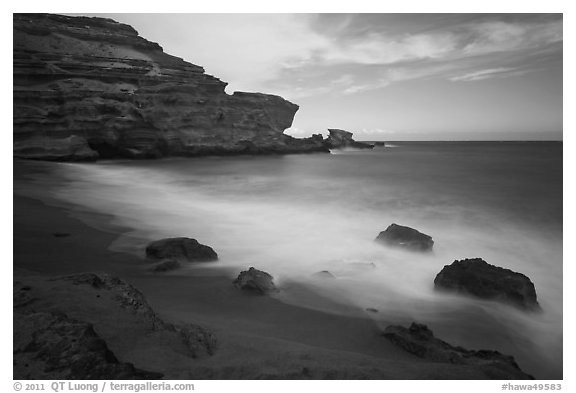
(405, 237)
(255, 281)
(181, 249)
(420, 341)
(478, 278)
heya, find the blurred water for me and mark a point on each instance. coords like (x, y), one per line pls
(296, 215)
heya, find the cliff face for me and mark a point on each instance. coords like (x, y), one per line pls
(88, 88)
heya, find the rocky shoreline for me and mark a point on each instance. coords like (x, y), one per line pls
(190, 338)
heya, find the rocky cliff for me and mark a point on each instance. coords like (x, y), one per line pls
(88, 88)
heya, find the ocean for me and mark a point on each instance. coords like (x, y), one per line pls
(296, 215)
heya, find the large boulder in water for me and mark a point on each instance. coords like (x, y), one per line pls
(420, 341)
(256, 281)
(180, 248)
(478, 278)
(405, 237)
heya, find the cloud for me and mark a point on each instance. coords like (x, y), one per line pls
(301, 55)
(487, 74)
(376, 48)
(497, 36)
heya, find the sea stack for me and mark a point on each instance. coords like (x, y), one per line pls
(340, 139)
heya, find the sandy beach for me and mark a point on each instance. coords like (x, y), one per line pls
(258, 336)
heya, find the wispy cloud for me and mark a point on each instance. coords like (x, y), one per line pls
(470, 50)
(488, 74)
(304, 55)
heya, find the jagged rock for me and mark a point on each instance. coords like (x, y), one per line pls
(478, 278)
(54, 346)
(166, 265)
(340, 139)
(87, 88)
(182, 249)
(379, 144)
(420, 341)
(405, 237)
(256, 281)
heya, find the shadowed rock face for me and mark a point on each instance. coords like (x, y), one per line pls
(405, 237)
(88, 88)
(340, 139)
(478, 278)
(255, 281)
(180, 248)
(420, 341)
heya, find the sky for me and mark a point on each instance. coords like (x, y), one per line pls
(384, 76)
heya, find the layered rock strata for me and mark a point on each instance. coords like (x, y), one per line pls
(88, 88)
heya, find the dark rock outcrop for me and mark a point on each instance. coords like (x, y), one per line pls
(88, 88)
(340, 139)
(255, 281)
(66, 327)
(405, 237)
(180, 249)
(478, 278)
(54, 346)
(198, 340)
(420, 341)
